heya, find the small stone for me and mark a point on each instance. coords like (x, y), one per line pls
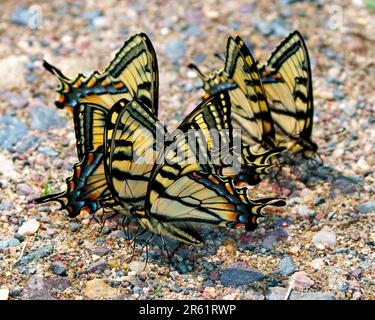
(48, 151)
(182, 268)
(137, 266)
(58, 268)
(367, 207)
(74, 226)
(16, 100)
(295, 249)
(240, 276)
(95, 257)
(286, 266)
(100, 265)
(4, 244)
(317, 264)
(99, 289)
(13, 242)
(36, 255)
(25, 189)
(319, 201)
(4, 294)
(273, 237)
(101, 251)
(29, 228)
(343, 287)
(279, 293)
(301, 281)
(12, 72)
(45, 118)
(357, 295)
(325, 237)
(175, 49)
(355, 235)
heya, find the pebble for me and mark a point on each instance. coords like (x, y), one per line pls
(4, 294)
(45, 118)
(317, 264)
(101, 265)
(192, 29)
(48, 151)
(18, 129)
(16, 100)
(74, 226)
(240, 276)
(12, 72)
(29, 228)
(301, 281)
(20, 16)
(137, 266)
(273, 237)
(175, 49)
(325, 237)
(357, 295)
(286, 266)
(40, 253)
(99, 289)
(40, 288)
(366, 207)
(13, 242)
(182, 268)
(279, 293)
(58, 268)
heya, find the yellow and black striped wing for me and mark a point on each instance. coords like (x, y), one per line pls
(132, 74)
(213, 117)
(131, 150)
(289, 64)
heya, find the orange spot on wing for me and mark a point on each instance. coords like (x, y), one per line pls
(91, 82)
(206, 95)
(78, 172)
(229, 187)
(254, 220)
(277, 76)
(77, 84)
(60, 98)
(106, 82)
(119, 85)
(90, 158)
(213, 179)
(71, 185)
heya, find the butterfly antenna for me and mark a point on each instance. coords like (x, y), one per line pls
(165, 248)
(220, 56)
(342, 130)
(194, 67)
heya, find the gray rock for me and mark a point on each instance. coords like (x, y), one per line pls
(273, 237)
(286, 266)
(40, 288)
(367, 207)
(175, 49)
(279, 293)
(240, 276)
(192, 29)
(48, 151)
(326, 237)
(18, 129)
(4, 244)
(74, 226)
(45, 118)
(182, 268)
(13, 242)
(102, 251)
(36, 255)
(20, 16)
(58, 268)
(16, 100)
(99, 265)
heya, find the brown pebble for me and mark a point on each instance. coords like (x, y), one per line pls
(355, 235)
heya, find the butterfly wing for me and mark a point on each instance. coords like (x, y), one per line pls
(292, 95)
(132, 73)
(131, 149)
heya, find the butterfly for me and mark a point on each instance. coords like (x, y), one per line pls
(132, 73)
(240, 77)
(287, 86)
(185, 188)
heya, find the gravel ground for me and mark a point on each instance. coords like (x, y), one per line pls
(323, 241)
